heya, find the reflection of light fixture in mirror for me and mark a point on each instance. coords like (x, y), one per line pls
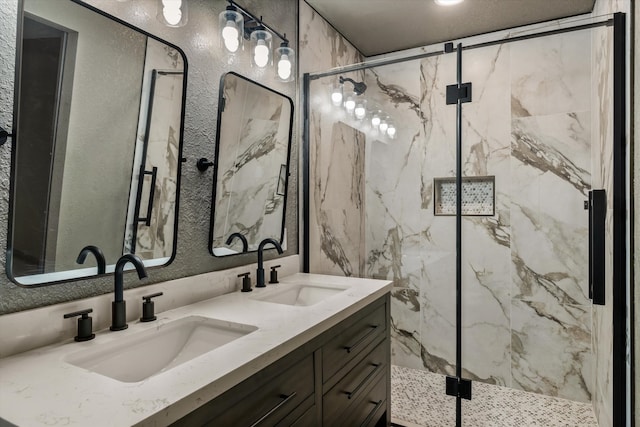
(336, 95)
(375, 120)
(350, 104)
(232, 27)
(360, 110)
(172, 13)
(391, 130)
(383, 126)
(285, 56)
(261, 42)
(447, 2)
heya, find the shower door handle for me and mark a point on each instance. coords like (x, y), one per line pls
(597, 227)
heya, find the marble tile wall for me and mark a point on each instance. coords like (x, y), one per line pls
(337, 156)
(525, 268)
(156, 240)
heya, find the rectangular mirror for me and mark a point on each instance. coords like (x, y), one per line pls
(251, 167)
(96, 157)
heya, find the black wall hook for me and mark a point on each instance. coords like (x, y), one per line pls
(4, 135)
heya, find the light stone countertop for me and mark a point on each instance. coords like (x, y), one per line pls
(39, 388)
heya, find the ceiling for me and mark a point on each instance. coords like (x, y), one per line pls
(381, 26)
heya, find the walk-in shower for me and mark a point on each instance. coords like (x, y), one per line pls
(477, 207)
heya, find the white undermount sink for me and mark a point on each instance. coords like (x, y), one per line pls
(139, 356)
(301, 295)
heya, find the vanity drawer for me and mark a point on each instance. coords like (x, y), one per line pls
(265, 399)
(356, 382)
(348, 344)
(366, 409)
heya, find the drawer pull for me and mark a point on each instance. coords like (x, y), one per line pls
(376, 366)
(285, 400)
(362, 339)
(372, 413)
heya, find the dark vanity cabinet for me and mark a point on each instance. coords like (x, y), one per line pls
(340, 378)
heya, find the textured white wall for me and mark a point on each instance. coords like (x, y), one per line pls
(199, 40)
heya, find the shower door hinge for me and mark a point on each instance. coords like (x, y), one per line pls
(459, 387)
(454, 93)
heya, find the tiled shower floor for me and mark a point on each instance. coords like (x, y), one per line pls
(418, 399)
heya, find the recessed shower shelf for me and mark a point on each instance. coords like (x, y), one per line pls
(478, 196)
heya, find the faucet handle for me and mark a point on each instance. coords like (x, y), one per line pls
(148, 314)
(85, 332)
(246, 282)
(273, 277)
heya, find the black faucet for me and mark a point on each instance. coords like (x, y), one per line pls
(119, 305)
(245, 244)
(97, 252)
(260, 271)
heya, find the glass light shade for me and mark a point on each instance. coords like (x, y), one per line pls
(231, 24)
(350, 104)
(261, 43)
(391, 130)
(375, 120)
(383, 126)
(285, 66)
(172, 13)
(360, 110)
(336, 95)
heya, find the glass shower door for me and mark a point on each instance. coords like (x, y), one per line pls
(528, 143)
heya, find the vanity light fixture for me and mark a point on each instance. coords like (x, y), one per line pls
(375, 120)
(383, 126)
(391, 130)
(360, 110)
(350, 104)
(285, 56)
(231, 29)
(336, 95)
(447, 2)
(261, 43)
(237, 23)
(172, 13)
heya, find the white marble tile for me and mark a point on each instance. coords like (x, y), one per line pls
(551, 349)
(405, 323)
(551, 75)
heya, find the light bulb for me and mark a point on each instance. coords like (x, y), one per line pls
(284, 67)
(336, 96)
(375, 121)
(360, 111)
(172, 15)
(383, 126)
(350, 105)
(230, 36)
(261, 54)
(391, 131)
(447, 2)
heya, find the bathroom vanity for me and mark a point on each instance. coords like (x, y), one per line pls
(311, 350)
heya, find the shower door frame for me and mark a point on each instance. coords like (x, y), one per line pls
(621, 412)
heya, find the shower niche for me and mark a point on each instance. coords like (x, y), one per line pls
(478, 196)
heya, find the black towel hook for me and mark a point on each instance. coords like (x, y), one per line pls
(4, 135)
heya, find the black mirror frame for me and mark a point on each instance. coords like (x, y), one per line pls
(15, 136)
(221, 102)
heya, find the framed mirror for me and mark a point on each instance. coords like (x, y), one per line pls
(96, 157)
(251, 172)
